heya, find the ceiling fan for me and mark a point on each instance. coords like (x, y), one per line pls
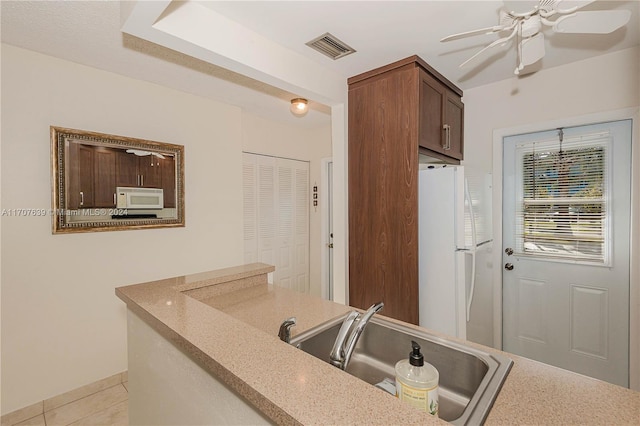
(526, 27)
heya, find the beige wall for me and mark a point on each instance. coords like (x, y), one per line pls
(62, 325)
(604, 83)
(265, 137)
(598, 89)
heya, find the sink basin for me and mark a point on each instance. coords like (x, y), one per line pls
(470, 379)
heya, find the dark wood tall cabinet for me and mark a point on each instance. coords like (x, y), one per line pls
(395, 113)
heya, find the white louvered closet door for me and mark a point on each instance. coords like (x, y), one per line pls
(266, 214)
(301, 230)
(285, 220)
(276, 215)
(249, 194)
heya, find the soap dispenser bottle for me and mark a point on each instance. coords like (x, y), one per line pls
(417, 381)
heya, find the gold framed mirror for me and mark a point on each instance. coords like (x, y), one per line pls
(103, 182)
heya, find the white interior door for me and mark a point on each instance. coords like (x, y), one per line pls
(566, 233)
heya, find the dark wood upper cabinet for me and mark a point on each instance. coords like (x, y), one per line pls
(441, 118)
(395, 113)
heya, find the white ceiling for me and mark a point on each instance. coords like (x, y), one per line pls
(89, 33)
(385, 31)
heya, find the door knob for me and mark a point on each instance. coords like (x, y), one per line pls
(509, 251)
(508, 266)
(330, 245)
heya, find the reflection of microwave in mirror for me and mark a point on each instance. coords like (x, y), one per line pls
(94, 172)
(139, 198)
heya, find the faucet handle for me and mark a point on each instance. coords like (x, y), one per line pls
(285, 329)
(337, 352)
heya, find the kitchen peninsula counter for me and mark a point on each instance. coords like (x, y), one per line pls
(216, 317)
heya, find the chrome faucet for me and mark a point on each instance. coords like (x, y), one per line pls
(349, 334)
(285, 329)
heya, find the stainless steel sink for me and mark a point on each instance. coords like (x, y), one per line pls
(470, 379)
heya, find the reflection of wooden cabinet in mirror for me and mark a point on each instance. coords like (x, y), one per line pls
(87, 169)
(92, 179)
(126, 169)
(104, 166)
(168, 171)
(139, 171)
(81, 176)
(98, 171)
(147, 171)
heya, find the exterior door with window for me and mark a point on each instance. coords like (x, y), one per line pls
(566, 234)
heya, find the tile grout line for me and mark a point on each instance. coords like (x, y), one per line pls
(86, 396)
(104, 409)
(6, 416)
(42, 413)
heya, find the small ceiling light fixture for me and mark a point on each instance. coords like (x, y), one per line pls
(299, 107)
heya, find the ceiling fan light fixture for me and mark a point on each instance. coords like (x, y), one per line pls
(299, 107)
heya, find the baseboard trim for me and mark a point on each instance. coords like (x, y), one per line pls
(52, 403)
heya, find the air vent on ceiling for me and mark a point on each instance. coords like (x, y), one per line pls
(330, 46)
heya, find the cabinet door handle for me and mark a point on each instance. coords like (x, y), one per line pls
(447, 137)
(138, 180)
(114, 199)
(141, 180)
(81, 198)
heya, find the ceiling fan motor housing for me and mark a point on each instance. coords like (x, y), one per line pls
(531, 26)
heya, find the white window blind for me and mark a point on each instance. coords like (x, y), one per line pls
(563, 199)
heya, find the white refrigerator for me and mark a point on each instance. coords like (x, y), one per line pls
(454, 250)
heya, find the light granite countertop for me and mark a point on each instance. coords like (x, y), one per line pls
(208, 315)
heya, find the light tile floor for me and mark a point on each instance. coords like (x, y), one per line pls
(106, 407)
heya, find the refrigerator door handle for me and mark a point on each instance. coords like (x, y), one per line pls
(473, 283)
(473, 245)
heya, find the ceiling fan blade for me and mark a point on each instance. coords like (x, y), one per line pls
(569, 6)
(495, 43)
(595, 22)
(488, 30)
(532, 50)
